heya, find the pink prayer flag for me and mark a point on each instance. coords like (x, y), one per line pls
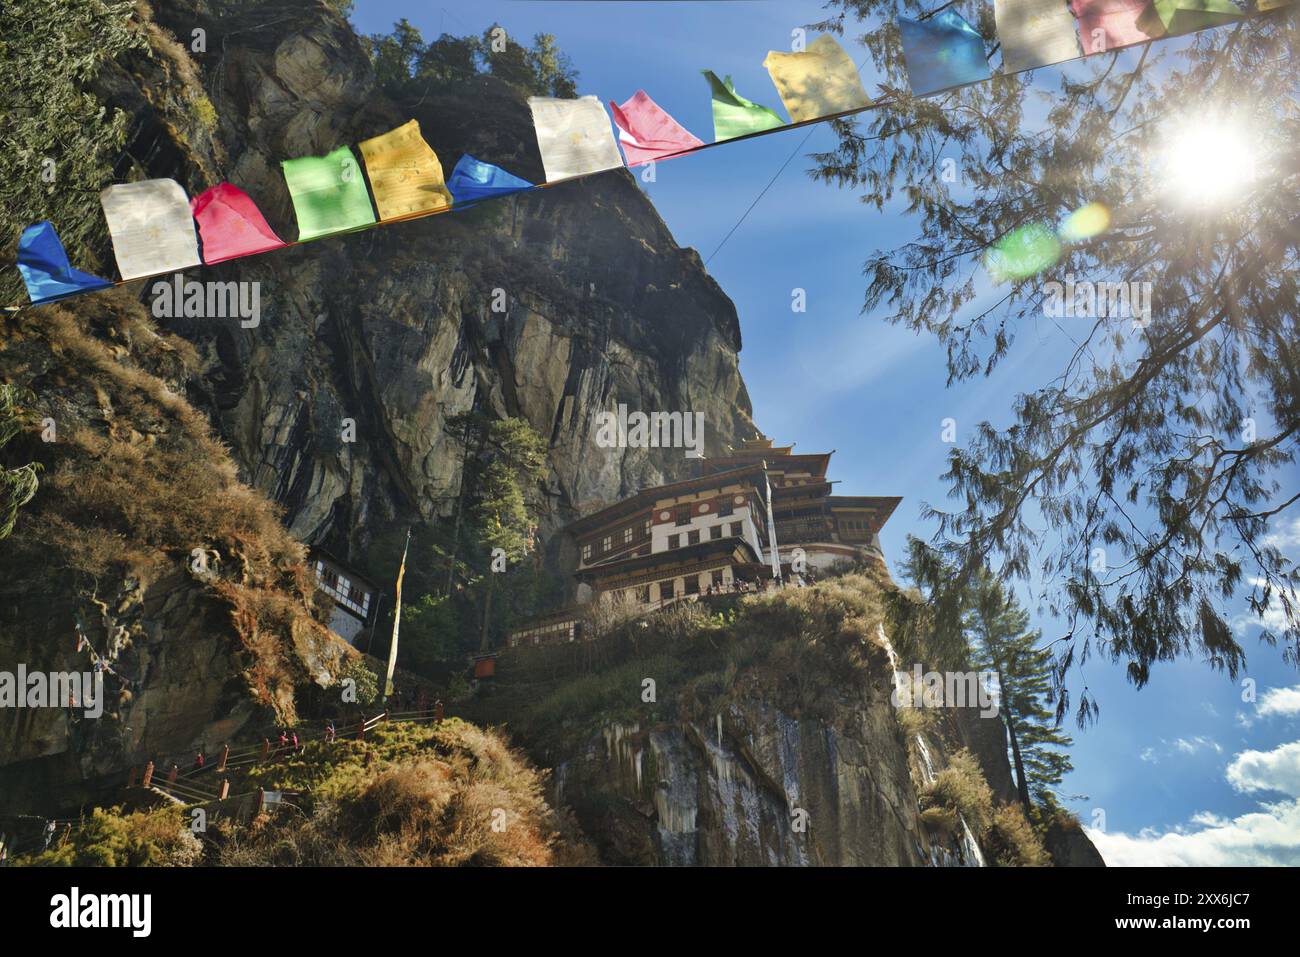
(231, 225)
(1109, 24)
(647, 133)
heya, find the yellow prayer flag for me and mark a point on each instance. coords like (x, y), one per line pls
(818, 81)
(405, 175)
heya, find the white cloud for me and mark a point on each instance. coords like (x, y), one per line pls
(1183, 746)
(1198, 743)
(1276, 770)
(1269, 836)
(1284, 701)
(1287, 534)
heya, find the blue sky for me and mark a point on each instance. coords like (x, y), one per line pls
(1183, 771)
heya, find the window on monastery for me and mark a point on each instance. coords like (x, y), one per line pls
(586, 552)
(733, 530)
(715, 531)
(606, 543)
(643, 594)
(725, 508)
(692, 584)
(694, 537)
(684, 515)
(717, 578)
(647, 527)
(627, 535)
(665, 590)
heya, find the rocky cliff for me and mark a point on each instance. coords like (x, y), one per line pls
(762, 733)
(395, 328)
(392, 330)
(142, 551)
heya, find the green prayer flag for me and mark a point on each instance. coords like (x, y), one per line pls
(733, 115)
(329, 194)
(1174, 17)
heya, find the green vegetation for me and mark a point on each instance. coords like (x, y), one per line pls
(981, 626)
(406, 65)
(136, 480)
(491, 532)
(960, 788)
(113, 838)
(17, 485)
(1141, 477)
(365, 680)
(426, 796)
(812, 645)
(408, 795)
(60, 142)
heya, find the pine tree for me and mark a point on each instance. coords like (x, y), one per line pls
(508, 462)
(1002, 642)
(1139, 477)
(981, 625)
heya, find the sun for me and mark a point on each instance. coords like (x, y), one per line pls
(1208, 162)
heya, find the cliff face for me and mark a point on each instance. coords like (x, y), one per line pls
(395, 328)
(133, 483)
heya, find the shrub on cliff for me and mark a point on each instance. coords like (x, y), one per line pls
(111, 838)
(134, 481)
(960, 788)
(446, 796)
(1012, 841)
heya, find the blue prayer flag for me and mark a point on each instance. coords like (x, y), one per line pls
(473, 179)
(942, 52)
(45, 268)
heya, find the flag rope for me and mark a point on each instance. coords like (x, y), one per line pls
(890, 99)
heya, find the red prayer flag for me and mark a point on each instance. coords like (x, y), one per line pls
(1110, 24)
(647, 133)
(231, 225)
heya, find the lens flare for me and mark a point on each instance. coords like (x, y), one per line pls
(1085, 223)
(1022, 253)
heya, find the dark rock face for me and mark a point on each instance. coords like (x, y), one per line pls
(132, 482)
(1070, 847)
(551, 306)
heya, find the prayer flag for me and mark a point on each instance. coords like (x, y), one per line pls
(574, 136)
(45, 269)
(405, 175)
(818, 81)
(151, 227)
(473, 179)
(329, 194)
(647, 133)
(1174, 17)
(1110, 24)
(230, 224)
(733, 115)
(1035, 33)
(942, 52)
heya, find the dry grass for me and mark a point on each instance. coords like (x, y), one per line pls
(1013, 841)
(435, 797)
(960, 788)
(136, 480)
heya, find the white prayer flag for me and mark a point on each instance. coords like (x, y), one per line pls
(151, 227)
(574, 136)
(1035, 33)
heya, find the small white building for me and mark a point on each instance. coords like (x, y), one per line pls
(354, 597)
